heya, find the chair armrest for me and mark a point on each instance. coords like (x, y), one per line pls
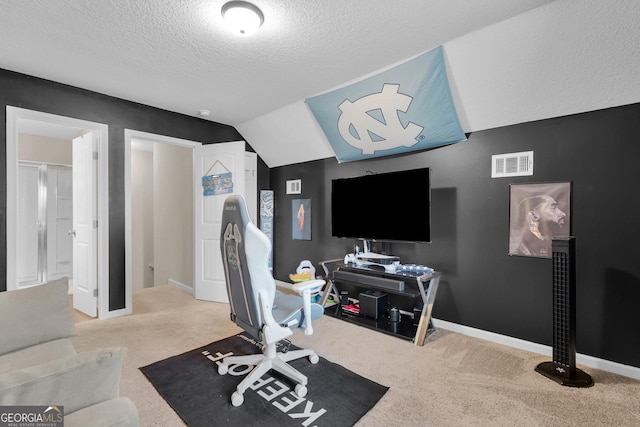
(284, 287)
(304, 289)
(309, 285)
(298, 288)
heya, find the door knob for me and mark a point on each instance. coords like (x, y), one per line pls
(72, 233)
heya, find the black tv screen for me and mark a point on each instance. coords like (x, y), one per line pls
(394, 206)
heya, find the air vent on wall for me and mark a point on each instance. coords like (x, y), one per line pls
(294, 186)
(512, 164)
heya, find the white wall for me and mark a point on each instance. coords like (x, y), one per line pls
(44, 149)
(567, 57)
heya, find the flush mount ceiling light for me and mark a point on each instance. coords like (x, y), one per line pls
(242, 17)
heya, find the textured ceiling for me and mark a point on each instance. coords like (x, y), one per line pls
(176, 54)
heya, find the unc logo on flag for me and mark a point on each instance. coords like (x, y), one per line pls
(373, 134)
(406, 108)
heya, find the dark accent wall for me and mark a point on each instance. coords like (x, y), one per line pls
(19, 90)
(483, 287)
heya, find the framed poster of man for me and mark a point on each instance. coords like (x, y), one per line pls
(537, 213)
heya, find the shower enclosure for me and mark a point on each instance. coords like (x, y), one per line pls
(45, 213)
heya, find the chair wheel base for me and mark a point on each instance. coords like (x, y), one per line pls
(300, 390)
(237, 399)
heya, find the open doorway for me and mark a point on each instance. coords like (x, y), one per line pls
(158, 210)
(207, 278)
(49, 132)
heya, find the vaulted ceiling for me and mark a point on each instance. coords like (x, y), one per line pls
(177, 55)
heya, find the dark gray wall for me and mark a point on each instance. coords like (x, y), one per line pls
(28, 92)
(482, 286)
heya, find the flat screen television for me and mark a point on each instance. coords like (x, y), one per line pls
(388, 207)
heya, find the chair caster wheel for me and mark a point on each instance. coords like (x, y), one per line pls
(300, 390)
(237, 399)
(223, 369)
(314, 359)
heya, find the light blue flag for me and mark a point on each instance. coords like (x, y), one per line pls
(406, 108)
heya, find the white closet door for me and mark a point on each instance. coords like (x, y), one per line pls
(85, 227)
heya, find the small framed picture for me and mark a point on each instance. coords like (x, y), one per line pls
(537, 213)
(301, 219)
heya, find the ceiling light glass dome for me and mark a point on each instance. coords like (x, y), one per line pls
(243, 18)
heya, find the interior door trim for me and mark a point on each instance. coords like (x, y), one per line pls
(14, 115)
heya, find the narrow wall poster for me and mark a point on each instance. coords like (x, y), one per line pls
(266, 219)
(301, 219)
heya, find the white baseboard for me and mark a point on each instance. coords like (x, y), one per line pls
(582, 359)
(180, 285)
(103, 315)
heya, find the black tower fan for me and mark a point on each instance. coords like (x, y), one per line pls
(563, 367)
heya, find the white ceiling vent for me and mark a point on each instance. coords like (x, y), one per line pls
(512, 164)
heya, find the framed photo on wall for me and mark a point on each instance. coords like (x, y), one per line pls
(301, 219)
(537, 213)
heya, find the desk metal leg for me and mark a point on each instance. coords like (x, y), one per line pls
(423, 325)
(328, 288)
(428, 298)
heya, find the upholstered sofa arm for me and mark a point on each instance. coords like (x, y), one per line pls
(75, 382)
(120, 412)
(35, 315)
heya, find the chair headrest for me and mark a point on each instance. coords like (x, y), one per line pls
(235, 210)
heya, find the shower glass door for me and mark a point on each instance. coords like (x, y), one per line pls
(45, 247)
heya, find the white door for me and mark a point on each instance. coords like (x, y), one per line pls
(213, 159)
(85, 231)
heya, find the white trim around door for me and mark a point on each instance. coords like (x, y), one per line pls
(129, 137)
(14, 117)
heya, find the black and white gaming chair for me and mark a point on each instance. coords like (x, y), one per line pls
(257, 307)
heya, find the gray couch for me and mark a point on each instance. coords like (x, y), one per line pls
(40, 366)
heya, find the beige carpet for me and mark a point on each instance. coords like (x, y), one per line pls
(454, 380)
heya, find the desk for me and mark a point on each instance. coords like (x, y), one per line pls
(406, 290)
